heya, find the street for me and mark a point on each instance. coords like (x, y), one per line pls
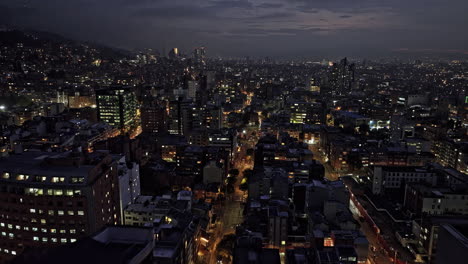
(231, 210)
(231, 213)
(318, 155)
(377, 256)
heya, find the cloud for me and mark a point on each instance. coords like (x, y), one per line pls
(174, 12)
(276, 15)
(261, 25)
(270, 5)
(224, 4)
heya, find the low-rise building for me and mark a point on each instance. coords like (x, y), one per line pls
(391, 177)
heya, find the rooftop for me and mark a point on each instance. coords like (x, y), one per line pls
(113, 245)
(47, 164)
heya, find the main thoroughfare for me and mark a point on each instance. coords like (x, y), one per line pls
(231, 210)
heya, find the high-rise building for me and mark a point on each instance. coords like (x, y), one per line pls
(212, 117)
(49, 199)
(199, 54)
(181, 116)
(312, 85)
(117, 107)
(341, 78)
(299, 112)
(175, 117)
(193, 88)
(129, 183)
(153, 117)
(174, 53)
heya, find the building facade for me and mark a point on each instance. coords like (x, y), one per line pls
(51, 199)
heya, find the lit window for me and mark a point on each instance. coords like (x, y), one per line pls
(21, 177)
(63, 240)
(36, 238)
(77, 180)
(328, 242)
(58, 179)
(34, 191)
(60, 212)
(80, 212)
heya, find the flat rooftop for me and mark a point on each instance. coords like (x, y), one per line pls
(48, 165)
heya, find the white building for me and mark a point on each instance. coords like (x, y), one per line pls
(146, 209)
(421, 198)
(129, 183)
(393, 177)
(141, 211)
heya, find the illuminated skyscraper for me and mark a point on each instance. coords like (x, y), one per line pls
(117, 107)
(174, 53)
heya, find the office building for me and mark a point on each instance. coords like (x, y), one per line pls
(50, 199)
(341, 79)
(153, 117)
(118, 108)
(199, 54)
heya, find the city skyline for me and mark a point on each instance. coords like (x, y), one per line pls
(280, 28)
(233, 132)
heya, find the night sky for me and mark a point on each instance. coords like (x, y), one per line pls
(283, 28)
